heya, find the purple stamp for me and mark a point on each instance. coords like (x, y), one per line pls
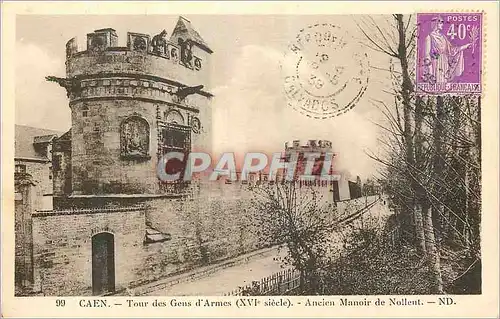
(449, 48)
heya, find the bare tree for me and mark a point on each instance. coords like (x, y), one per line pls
(431, 151)
(297, 218)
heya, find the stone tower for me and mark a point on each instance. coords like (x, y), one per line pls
(335, 190)
(130, 105)
(301, 148)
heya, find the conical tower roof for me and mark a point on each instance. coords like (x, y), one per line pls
(185, 30)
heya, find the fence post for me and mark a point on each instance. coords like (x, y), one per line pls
(282, 282)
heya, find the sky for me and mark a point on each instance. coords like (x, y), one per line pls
(250, 111)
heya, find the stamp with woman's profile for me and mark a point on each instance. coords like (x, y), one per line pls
(325, 71)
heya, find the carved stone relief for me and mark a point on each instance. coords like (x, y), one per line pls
(97, 43)
(134, 137)
(197, 63)
(174, 54)
(159, 43)
(196, 125)
(174, 116)
(138, 42)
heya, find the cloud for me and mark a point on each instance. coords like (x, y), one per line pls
(250, 113)
(246, 106)
(39, 103)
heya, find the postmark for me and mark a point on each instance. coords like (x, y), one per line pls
(449, 51)
(325, 71)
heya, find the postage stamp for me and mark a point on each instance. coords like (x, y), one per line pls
(326, 73)
(449, 53)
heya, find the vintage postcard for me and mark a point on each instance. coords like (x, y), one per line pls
(236, 159)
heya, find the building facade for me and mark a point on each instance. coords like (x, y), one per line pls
(33, 179)
(336, 190)
(114, 225)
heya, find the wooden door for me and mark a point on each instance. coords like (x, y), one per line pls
(103, 263)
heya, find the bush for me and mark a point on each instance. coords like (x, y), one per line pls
(371, 266)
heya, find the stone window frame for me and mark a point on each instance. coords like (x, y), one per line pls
(20, 168)
(178, 186)
(197, 63)
(178, 128)
(85, 110)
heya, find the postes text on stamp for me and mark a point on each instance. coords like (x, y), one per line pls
(449, 48)
(325, 71)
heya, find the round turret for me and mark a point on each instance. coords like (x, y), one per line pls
(131, 105)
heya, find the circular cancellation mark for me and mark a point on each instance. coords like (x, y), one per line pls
(325, 72)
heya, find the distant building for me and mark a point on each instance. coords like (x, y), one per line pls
(33, 156)
(337, 190)
(32, 191)
(355, 188)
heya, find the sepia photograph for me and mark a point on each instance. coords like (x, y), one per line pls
(246, 155)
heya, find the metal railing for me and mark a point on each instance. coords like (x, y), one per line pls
(281, 283)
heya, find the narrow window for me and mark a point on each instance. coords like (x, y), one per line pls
(85, 111)
(20, 168)
(56, 162)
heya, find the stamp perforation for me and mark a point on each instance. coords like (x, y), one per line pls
(449, 87)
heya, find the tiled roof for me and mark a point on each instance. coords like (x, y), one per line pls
(65, 137)
(26, 136)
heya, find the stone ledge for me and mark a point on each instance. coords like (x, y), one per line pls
(76, 211)
(135, 157)
(114, 98)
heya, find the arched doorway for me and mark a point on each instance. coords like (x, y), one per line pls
(103, 263)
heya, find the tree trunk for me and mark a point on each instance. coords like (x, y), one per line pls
(456, 199)
(433, 259)
(432, 215)
(419, 230)
(419, 191)
(438, 169)
(406, 91)
(474, 195)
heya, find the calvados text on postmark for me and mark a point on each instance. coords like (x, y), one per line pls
(325, 72)
(449, 50)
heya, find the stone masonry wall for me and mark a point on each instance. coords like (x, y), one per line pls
(96, 162)
(204, 229)
(40, 171)
(213, 225)
(25, 198)
(63, 248)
